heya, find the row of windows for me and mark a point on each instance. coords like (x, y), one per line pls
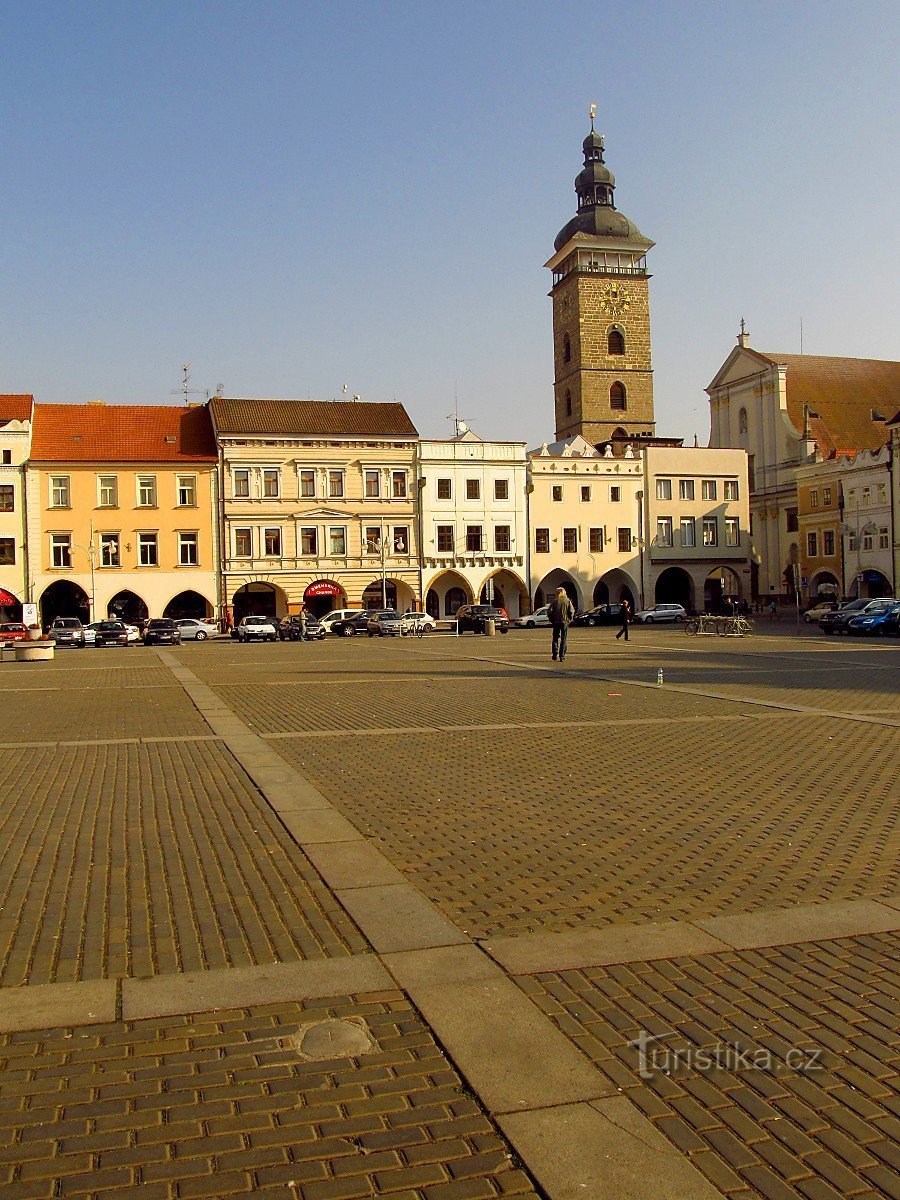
(557, 493)
(828, 541)
(109, 551)
(615, 344)
(709, 489)
(570, 537)
(267, 542)
(475, 541)
(709, 531)
(333, 486)
(473, 489)
(108, 491)
(865, 496)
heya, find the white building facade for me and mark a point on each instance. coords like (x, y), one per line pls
(472, 512)
(16, 417)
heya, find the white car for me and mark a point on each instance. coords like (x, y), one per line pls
(90, 632)
(659, 613)
(338, 614)
(193, 630)
(813, 614)
(260, 629)
(134, 634)
(538, 617)
(423, 620)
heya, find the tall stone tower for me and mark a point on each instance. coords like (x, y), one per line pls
(603, 380)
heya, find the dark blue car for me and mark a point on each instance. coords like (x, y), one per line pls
(877, 622)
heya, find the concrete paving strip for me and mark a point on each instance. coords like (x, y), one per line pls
(51, 1005)
(440, 966)
(606, 1150)
(312, 825)
(532, 953)
(240, 987)
(802, 923)
(398, 917)
(353, 864)
(508, 1050)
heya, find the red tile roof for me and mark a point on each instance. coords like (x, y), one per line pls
(313, 418)
(16, 408)
(121, 433)
(843, 393)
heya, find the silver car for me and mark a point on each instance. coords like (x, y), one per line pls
(193, 630)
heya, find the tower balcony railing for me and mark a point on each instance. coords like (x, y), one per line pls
(593, 268)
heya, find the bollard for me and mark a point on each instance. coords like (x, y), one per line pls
(490, 627)
(659, 677)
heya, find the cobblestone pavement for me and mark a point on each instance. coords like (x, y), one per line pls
(818, 1117)
(150, 858)
(521, 801)
(224, 1104)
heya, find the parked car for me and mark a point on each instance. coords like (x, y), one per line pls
(538, 617)
(474, 616)
(161, 631)
(387, 621)
(290, 629)
(90, 632)
(876, 622)
(659, 613)
(354, 622)
(837, 622)
(602, 614)
(111, 633)
(193, 630)
(819, 610)
(13, 631)
(338, 616)
(421, 620)
(257, 629)
(67, 631)
(134, 632)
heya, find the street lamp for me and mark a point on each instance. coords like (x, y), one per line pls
(856, 531)
(90, 551)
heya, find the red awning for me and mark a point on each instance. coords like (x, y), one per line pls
(7, 599)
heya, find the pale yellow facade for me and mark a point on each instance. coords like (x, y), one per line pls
(329, 523)
(15, 442)
(129, 540)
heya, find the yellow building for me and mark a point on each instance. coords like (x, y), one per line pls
(121, 512)
(320, 507)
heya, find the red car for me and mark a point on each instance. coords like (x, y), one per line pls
(13, 631)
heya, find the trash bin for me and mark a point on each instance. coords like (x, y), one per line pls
(490, 627)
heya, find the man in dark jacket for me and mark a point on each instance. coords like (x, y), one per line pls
(626, 617)
(561, 613)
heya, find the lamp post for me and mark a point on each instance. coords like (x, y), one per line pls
(856, 531)
(90, 551)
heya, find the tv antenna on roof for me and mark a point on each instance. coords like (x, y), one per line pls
(186, 391)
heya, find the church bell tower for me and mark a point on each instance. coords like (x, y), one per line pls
(603, 380)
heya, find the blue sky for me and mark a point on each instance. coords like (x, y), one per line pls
(298, 196)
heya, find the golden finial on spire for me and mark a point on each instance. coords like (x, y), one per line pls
(593, 112)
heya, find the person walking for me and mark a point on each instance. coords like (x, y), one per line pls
(561, 613)
(626, 617)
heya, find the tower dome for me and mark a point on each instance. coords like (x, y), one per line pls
(595, 187)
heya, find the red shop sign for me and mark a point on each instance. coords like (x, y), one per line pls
(322, 587)
(7, 598)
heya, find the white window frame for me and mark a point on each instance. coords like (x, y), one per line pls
(61, 543)
(710, 526)
(732, 489)
(732, 531)
(266, 475)
(244, 474)
(148, 539)
(437, 538)
(498, 549)
(372, 544)
(314, 530)
(332, 530)
(402, 478)
(371, 476)
(473, 486)
(342, 480)
(186, 485)
(437, 490)
(307, 475)
(708, 490)
(685, 489)
(664, 532)
(248, 529)
(501, 485)
(399, 530)
(108, 484)
(688, 525)
(664, 489)
(884, 539)
(266, 531)
(812, 544)
(145, 484)
(615, 493)
(110, 542)
(187, 538)
(60, 491)
(573, 529)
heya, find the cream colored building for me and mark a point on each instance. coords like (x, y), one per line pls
(474, 537)
(121, 504)
(16, 414)
(846, 524)
(696, 527)
(319, 506)
(585, 524)
(787, 410)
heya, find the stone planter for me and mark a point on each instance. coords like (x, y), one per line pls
(35, 635)
(35, 651)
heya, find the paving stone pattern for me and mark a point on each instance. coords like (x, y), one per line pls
(138, 860)
(100, 713)
(817, 1133)
(217, 1105)
(516, 830)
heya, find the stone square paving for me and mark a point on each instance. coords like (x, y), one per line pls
(366, 918)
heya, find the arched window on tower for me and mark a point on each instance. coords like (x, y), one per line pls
(742, 421)
(567, 349)
(617, 396)
(615, 342)
(568, 403)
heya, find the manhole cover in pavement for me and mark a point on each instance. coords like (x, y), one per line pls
(347, 1038)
